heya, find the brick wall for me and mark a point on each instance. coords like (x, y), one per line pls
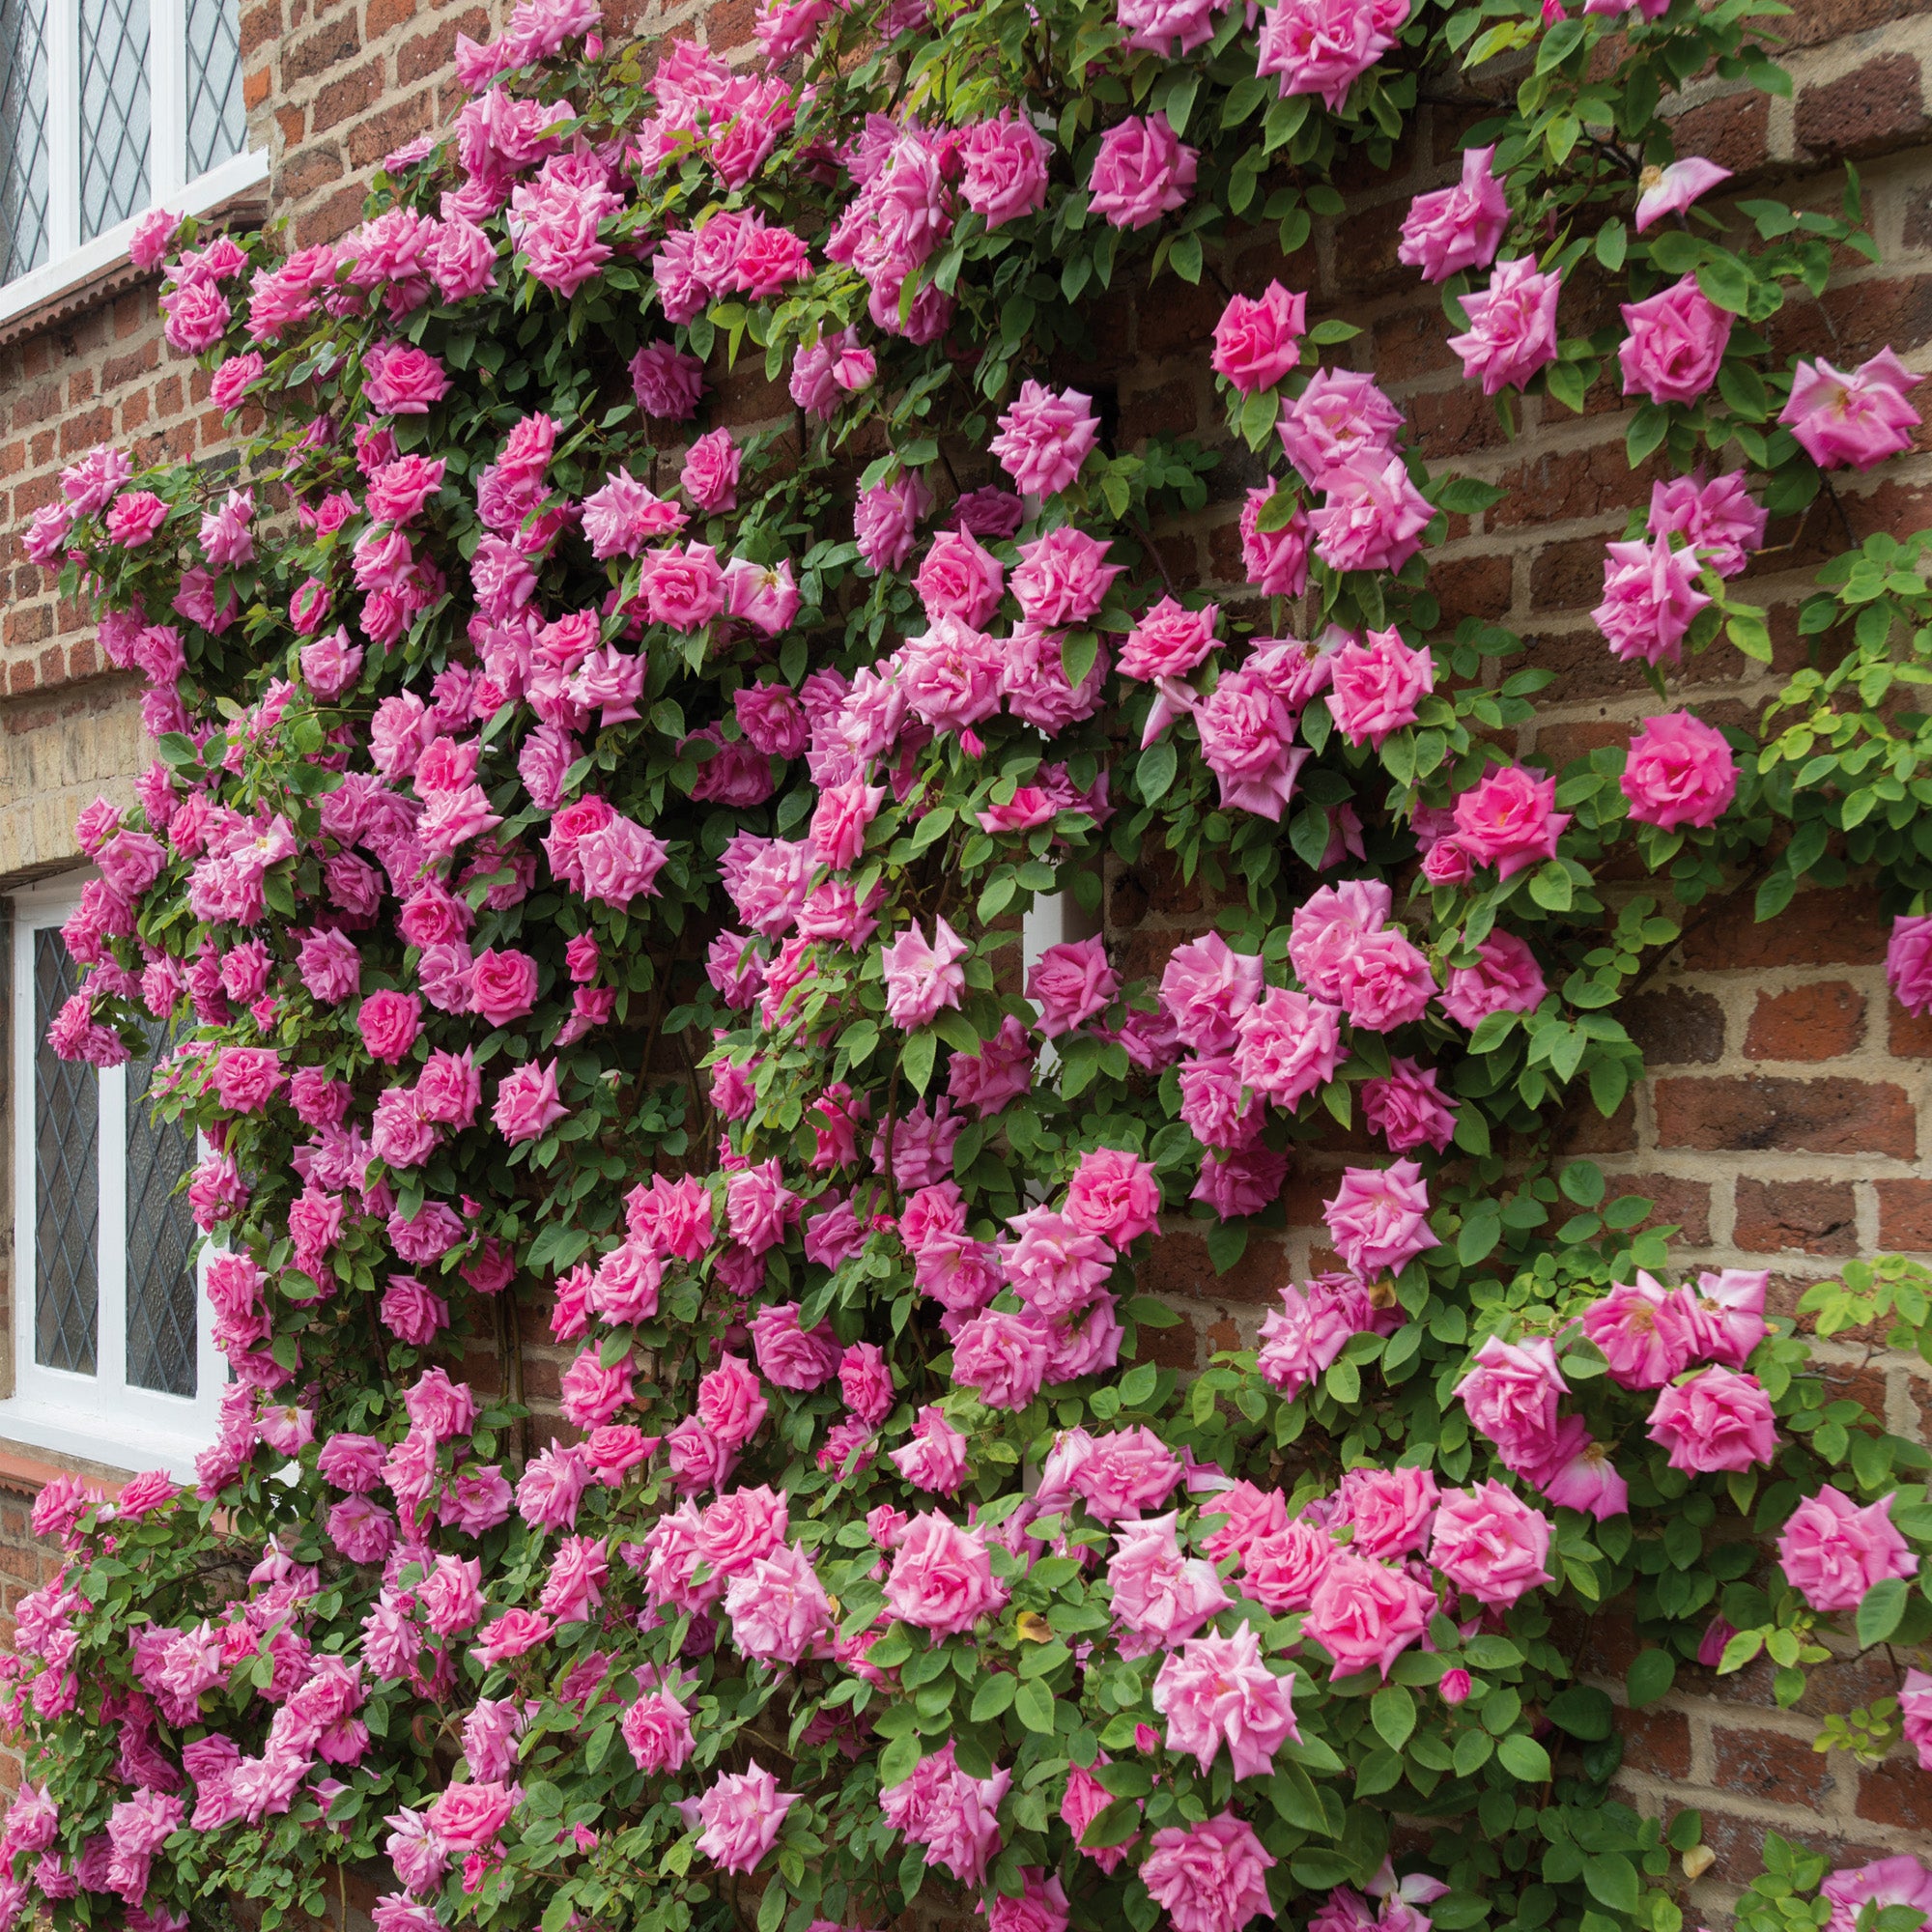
(1784, 1122)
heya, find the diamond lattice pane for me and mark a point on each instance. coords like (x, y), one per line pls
(113, 112)
(67, 1177)
(216, 127)
(23, 136)
(161, 1346)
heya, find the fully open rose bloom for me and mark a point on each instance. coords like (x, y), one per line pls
(942, 1580)
(1714, 1421)
(1217, 1690)
(1365, 1613)
(1899, 1881)
(1044, 439)
(1512, 331)
(1675, 343)
(1258, 342)
(1378, 1217)
(1650, 596)
(742, 1815)
(1680, 772)
(1210, 1877)
(1460, 227)
(1833, 1552)
(1141, 172)
(1858, 419)
(1490, 1543)
(1323, 46)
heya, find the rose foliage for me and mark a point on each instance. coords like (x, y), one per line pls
(577, 893)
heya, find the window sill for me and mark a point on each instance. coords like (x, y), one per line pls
(59, 290)
(70, 1432)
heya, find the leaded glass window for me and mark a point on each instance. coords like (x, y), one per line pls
(23, 136)
(216, 127)
(161, 1342)
(66, 1178)
(113, 112)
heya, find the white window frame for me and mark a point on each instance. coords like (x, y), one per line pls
(100, 1417)
(70, 260)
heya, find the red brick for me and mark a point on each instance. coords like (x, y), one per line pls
(1896, 1793)
(1871, 110)
(1755, 1112)
(1816, 1217)
(1816, 1022)
(1675, 1026)
(348, 95)
(1770, 1765)
(1472, 586)
(1822, 928)
(1656, 1742)
(321, 52)
(1178, 1269)
(1905, 1215)
(1731, 131)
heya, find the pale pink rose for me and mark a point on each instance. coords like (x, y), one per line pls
(1084, 1799)
(1288, 1045)
(1069, 984)
(1258, 342)
(1579, 1474)
(1718, 519)
(1715, 1420)
(1675, 344)
(1217, 1691)
(1633, 1325)
(1119, 1474)
(1365, 1614)
(1377, 1217)
(935, 1459)
(953, 1816)
(1063, 579)
(1160, 1598)
(1323, 46)
(1169, 641)
(1670, 190)
(526, 1104)
(1833, 1552)
(1044, 439)
(777, 1606)
(922, 979)
(742, 1815)
(1384, 982)
(1207, 986)
(1373, 686)
(1512, 331)
(1858, 419)
(1492, 1544)
(1901, 1881)
(666, 382)
(1342, 416)
(1915, 1710)
(1460, 227)
(1141, 172)
(1283, 1569)
(1650, 598)
(942, 1578)
(1389, 1510)
(1511, 1394)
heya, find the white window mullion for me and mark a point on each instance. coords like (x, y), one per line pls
(25, 1192)
(167, 99)
(63, 128)
(110, 1265)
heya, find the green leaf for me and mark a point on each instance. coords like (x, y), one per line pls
(1392, 1710)
(1155, 772)
(1582, 1711)
(1883, 1607)
(994, 1695)
(1522, 1758)
(1077, 651)
(1651, 1674)
(1034, 1702)
(917, 1058)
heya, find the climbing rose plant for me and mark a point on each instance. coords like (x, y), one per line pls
(580, 887)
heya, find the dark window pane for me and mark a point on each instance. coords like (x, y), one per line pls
(23, 136)
(113, 112)
(216, 127)
(67, 1177)
(161, 1346)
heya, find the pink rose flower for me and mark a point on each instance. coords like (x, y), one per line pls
(742, 1815)
(1680, 772)
(1044, 439)
(1276, 561)
(1207, 986)
(1833, 1552)
(1323, 46)
(1897, 1880)
(1858, 419)
(935, 1459)
(1675, 345)
(1491, 1544)
(1650, 597)
(1506, 819)
(1506, 979)
(1365, 1613)
(1210, 1877)
(1005, 168)
(1716, 1420)
(1511, 1394)
(1115, 1195)
(1003, 1357)
(1069, 984)
(1373, 517)
(961, 577)
(710, 472)
(1512, 331)
(526, 1104)
(1670, 190)
(1378, 1218)
(1389, 1510)
(388, 1023)
(1141, 172)
(1258, 342)
(922, 979)
(1908, 961)
(1160, 1598)
(1460, 227)
(666, 382)
(1407, 1109)
(1373, 686)
(942, 1578)
(1718, 519)
(1215, 1691)
(1341, 416)
(401, 380)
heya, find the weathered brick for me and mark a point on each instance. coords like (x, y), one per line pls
(1819, 1217)
(1755, 1112)
(1675, 1026)
(1905, 1215)
(1177, 1268)
(320, 53)
(1822, 928)
(1815, 1022)
(1871, 110)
